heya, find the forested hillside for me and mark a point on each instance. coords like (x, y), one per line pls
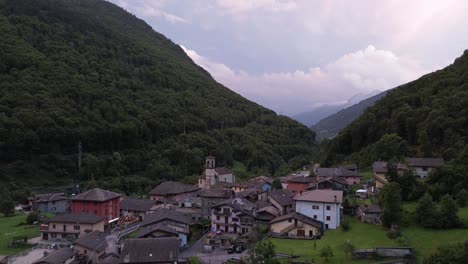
(426, 118)
(331, 125)
(86, 71)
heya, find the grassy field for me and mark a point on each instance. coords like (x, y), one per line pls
(10, 228)
(360, 235)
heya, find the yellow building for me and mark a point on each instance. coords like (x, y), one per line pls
(296, 225)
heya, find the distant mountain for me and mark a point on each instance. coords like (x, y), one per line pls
(311, 117)
(333, 124)
(427, 117)
(87, 75)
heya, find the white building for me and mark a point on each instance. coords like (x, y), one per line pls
(212, 175)
(323, 205)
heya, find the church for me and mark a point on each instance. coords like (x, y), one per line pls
(213, 175)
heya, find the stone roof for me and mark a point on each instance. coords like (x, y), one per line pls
(339, 180)
(76, 218)
(95, 240)
(339, 172)
(425, 162)
(301, 179)
(379, 167)
(172, 188)
(241, 204)
(150, 250)
(326, 196)
(50, 197)
(58, 256)
(216, 193)
(139, 205)
(158, 227)
(264, 179)
(110, 258)
(165, 214)
(283, 197)
(349, 166)
(299, 217)
(96, 195)
(373, 208)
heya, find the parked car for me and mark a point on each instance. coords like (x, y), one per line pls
(234, 260)
(231, 250)
(240, 248)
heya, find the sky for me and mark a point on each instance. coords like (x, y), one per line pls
(295, 55)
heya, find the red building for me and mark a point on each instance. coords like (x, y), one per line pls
(97, 201)
(298, 185)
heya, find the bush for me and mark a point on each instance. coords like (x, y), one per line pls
(32, 218)
(345, 226)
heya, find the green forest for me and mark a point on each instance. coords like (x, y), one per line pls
(87, 73)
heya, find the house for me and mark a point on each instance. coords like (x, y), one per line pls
(322, 205)
(351, 177)
(212, 175)
(421, 167)
(296, 225)
(172, 219)
(210, 197)
(265, 212)
(163, 230)
(49, 203)
(234, 216)
(64, 255)
(263, 182)
(369, 213)
(91, 246)
(136, 207)
(62, 226)
(379, 171)
(173, 191)
(332, 183)
(150, 250)
(299, 184)
(282, 200)
(350, 167)
(97, 201)
(191, 207)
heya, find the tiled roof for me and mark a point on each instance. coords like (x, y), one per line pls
(299, 217)
(379, 167)
(172, 188)
(216, 193)
(95, 241)
(139, 205)
(283, 197)
(109, 258)
(425, 162)
(96, 195)
(239, 203)
(59, 256)
(223, 170)
(327, 196)
(76, 218)
(165, 214)
(150, 250)
(339, 180)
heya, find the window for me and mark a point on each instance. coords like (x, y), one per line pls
(424, 169)
(217, 217)
(217, 227)
(328, 218)
(235, 219)
(328, 208)
(315, 216)
(290, 220)
(53, 235)
(95, 211)
(85, 251)
(315, 207)
(53, 226)
(76, 227)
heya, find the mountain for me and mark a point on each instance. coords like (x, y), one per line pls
(87, 76)
(331, 125)
(311, 117)
(424, 118)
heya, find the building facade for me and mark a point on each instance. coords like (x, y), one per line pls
(98, 202)
(321, 205)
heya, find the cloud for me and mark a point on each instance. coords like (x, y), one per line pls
(150, 8)
(363, 71)
(239, 6)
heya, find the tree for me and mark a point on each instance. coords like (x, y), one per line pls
(7, 207)
(426, 211)
(462, 198)
(448, 212)
(390, 200)
(392, 172)
(262, 252)
(348, 247)
(449, 254)
(277, 184)
(32, 218)
(326, 252)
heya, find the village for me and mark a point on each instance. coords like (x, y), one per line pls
(214, 221)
